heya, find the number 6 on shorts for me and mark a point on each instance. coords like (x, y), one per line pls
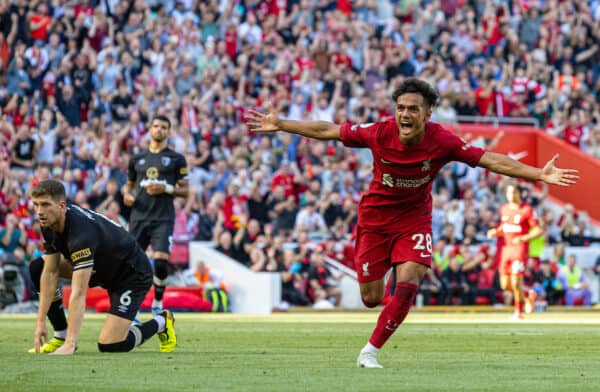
(126, 298)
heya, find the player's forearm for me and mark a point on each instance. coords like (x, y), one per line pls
(536, 232)
(127, 188)
(503, 164)
(314, 129)
(75, 319)
(181, 191)
(48, 286)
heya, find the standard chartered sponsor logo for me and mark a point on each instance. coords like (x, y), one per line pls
(389, 181)
(510, 228)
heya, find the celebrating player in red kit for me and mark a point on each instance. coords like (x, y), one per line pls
(518, 226)
(394, 219)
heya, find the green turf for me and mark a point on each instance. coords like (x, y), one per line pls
(316, 352)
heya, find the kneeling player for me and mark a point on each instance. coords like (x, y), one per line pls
(98, 252)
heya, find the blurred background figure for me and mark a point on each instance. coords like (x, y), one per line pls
(575, 284)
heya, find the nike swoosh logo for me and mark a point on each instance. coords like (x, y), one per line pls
(518, 155)
(386, 161)
(425, 254)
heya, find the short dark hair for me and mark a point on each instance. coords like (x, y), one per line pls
(415, 85)
(52, 188)
(161, 117)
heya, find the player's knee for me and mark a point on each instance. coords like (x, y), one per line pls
(35, 271)
(161, 268)
(371, 300)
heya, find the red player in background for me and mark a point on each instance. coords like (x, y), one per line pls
(518, 225)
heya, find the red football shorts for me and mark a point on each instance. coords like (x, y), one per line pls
(513, 260)
(377, 251)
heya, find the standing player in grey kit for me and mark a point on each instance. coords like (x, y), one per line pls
(155, 177)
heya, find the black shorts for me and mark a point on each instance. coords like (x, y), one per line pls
(127, 297)
(157, 234)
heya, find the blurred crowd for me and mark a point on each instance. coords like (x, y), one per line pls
(80, 79)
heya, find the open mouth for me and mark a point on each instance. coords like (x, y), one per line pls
(406, 126)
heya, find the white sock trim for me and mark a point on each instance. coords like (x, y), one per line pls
(137, 334)
(61, 334)
(160, 319)
(157, 303)
(369, 348)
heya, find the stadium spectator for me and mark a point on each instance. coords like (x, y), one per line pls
(574, 283)
(206, 222)
(431, 287)
(13, 235)
(597, 269)
(309, 219)
(225, 243)
(292, 281)
(456, 287)
(203, 276)
(546, 284)
(322, 286)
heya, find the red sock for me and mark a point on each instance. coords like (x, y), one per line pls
(519, 306)
(393, 313)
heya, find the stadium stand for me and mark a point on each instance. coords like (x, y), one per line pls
(79, 81)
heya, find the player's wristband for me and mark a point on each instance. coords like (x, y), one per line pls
(169, 189)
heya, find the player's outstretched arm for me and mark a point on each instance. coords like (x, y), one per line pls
(550, 174)
(270, 122)
(79, 285)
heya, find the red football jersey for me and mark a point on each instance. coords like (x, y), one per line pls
(573, 135)
(403, 175)
(516, 222)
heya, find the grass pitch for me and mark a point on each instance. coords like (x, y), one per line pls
(317, 352)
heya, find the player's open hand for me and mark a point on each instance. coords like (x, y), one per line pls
(260, 122)
(555, 176)
(65, 349)
(40, 335)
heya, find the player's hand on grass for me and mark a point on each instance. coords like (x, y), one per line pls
(66, 349)
(40, 335)
(260, 122)
(555, 176)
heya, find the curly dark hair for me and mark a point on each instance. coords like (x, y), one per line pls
(415, 85)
